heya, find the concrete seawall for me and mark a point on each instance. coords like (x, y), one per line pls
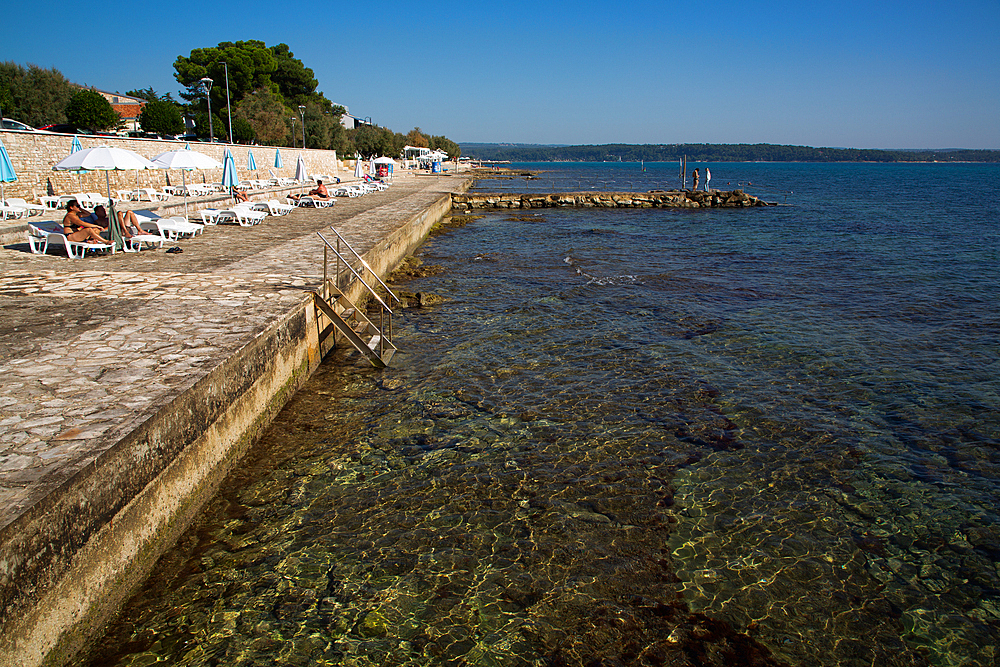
(176, 363)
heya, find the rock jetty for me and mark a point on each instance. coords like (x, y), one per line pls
(653, 199)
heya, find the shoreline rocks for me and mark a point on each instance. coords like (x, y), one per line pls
(654, 199)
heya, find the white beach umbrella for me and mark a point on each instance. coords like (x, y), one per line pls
(358, 171)
(106, 159)
(185, 160)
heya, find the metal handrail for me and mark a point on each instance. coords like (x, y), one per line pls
(356, 274)
(363, 262)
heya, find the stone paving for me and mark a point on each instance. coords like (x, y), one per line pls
(91, 348)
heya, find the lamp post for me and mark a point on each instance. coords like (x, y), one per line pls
(302, 115)
(293, 131)
(206, 83)
(229, 108)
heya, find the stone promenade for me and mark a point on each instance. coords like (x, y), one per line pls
(91, 348)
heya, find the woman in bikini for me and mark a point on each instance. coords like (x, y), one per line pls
(77, 229)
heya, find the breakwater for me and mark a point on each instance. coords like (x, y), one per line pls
(654, 199)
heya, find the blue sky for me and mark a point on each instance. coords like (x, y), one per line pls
(853, 74)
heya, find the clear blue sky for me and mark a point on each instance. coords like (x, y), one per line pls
(854, 74)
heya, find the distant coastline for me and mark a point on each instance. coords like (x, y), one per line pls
(715, 153)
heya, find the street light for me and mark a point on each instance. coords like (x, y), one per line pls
(302, 115)
(293, 131)
(229, 108)
(206, 83)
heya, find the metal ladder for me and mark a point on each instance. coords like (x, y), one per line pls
(373, 341)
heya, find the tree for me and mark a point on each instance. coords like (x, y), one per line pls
(33, 95)
(243, 132)
(417, 138)
(204, 130)
(266, 115)
(161, 117)
(295, 81)
(89, 110)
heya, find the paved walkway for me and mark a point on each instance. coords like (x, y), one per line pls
(91, 348)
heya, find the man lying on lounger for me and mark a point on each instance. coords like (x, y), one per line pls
(77, 229)
(320, 192)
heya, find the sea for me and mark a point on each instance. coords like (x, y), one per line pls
(760, 436)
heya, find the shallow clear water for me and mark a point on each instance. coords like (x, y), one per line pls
(636, 437)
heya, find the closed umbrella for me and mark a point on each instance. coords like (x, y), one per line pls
(277, 158)
(7, 174)
(251, 162)
(77, 146)
(229, 179)
(300, 171)
(358, 171)
(106, 159)
(185, 160)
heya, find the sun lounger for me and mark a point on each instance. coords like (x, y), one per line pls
(32, 209)
(315, 202)
(40, 236)
(274, 207)
(243, 216)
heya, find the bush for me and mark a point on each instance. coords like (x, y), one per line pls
(89, 110)
(161, 117)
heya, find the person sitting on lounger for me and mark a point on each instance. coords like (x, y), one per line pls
(77, 229)
(320, 192)
(129, 223)
(239, 196)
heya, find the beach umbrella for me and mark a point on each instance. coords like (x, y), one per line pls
(300, 172)
(277, 158)
(251, 162)
(185, 160)
(106, 159)
(229, 178)
(7, 174)
(77, 146)
(358, 171)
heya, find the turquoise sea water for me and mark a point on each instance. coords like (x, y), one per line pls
(762, 436)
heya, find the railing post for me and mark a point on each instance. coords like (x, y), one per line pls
(325, 296)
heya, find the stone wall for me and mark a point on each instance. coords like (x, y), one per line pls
(33, 154)
(667, 199)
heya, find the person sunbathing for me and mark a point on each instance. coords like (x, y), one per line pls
(77, 229)
(320, 192)
(239, 196)
(129, 223)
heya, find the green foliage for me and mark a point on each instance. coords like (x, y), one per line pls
(267, 116)
(204, 130)
(445, 144)
(243, 132)
(89, 110)
(372, 141)
(161, 117)
(150, 95)
(33, 95)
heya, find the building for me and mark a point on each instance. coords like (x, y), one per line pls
(129, 108)
(353, 122)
